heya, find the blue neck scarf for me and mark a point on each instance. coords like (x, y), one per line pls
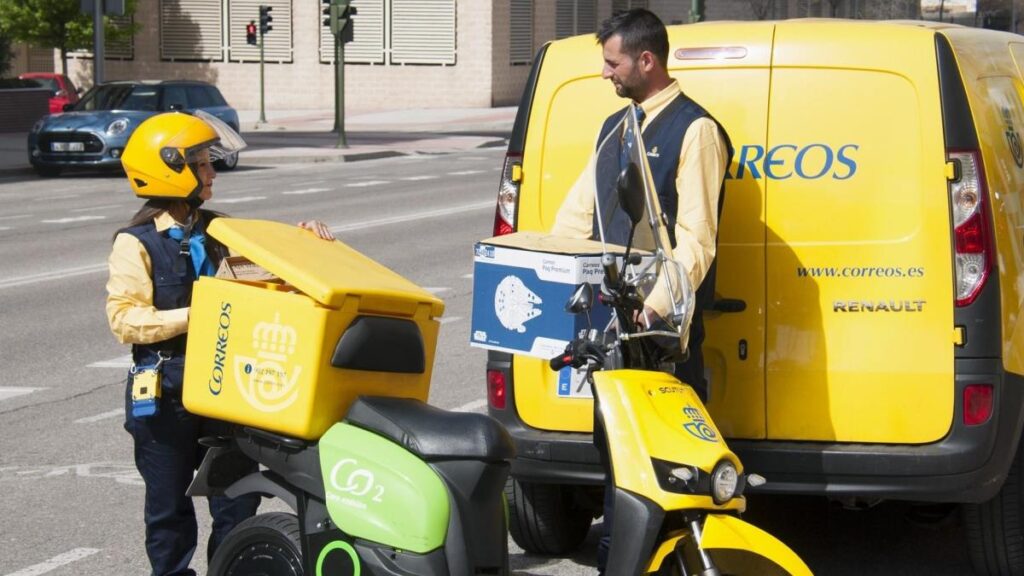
(197, 248)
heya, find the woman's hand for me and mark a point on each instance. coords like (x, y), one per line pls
(318, 228)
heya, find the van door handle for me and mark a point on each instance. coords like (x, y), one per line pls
(729, 305)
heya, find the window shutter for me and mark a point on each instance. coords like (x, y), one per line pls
(423, 32)
(586, 16)
(191, 30)
(521, 32)
(123, 50)
(277, 43)
(41, 59)
(367, 45)
(565, 18)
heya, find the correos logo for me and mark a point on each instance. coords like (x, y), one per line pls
(216, 381)
(269, 381)
(808, 162)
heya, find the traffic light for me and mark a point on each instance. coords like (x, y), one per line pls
(338, 13)
(250, 33)
(265, 19)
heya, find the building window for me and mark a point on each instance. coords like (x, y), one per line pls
(122, 50)
(191, 30)
(521, 32)
(574, 17)
(367, 45)
(623, 5)
(277, 43)
(423, 32)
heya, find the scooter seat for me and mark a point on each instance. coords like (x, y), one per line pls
(432, 433)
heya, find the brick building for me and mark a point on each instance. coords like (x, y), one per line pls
(405, 53)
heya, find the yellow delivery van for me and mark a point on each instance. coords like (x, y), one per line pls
(865, 339)
(290, 351)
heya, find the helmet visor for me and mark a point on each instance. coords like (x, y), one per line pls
(228, 141)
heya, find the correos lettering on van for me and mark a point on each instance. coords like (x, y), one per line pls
(216, 382)
(809, 162)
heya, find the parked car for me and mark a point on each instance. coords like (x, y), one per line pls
(63, 90)
(94, 131)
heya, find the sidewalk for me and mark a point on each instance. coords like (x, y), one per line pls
(291, 136)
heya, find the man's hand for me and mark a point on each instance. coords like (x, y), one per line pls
(318, 228)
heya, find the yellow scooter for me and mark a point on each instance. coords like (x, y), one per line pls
(678, 487)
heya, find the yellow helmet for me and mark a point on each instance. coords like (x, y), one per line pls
(161, 154)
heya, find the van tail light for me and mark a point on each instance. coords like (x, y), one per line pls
(508, 194)
(971, 239)
(977, 404)
(496, 389)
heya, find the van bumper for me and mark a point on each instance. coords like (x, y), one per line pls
(968, 465)
(544, 456)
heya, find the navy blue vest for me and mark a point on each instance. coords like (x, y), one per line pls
(663, 138)
(173, 275)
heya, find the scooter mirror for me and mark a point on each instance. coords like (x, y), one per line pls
(582, 299)
(630, 187)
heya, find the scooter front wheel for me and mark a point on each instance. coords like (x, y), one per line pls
(267, 544)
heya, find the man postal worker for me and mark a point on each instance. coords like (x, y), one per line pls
(688, 171)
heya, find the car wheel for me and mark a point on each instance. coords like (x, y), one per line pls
(264, 544)
(545, 518)
(995, 529)
(227, 163)
(47, 171)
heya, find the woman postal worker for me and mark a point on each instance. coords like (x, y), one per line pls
(153, 264)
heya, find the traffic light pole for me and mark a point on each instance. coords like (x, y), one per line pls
(339, 91)
(263, 113)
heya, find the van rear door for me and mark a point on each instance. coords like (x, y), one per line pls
(859, 280)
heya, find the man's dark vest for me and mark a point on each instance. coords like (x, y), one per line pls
(173, 275)
(663, 138)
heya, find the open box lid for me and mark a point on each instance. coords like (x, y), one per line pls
(325, 271)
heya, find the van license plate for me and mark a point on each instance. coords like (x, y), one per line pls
(67, 146)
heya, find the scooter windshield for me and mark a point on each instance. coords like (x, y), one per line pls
(627, 213)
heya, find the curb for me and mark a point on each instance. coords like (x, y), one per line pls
(315, 159)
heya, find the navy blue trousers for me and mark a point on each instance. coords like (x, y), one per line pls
(167, 453)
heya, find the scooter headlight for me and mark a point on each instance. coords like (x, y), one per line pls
(724, 481)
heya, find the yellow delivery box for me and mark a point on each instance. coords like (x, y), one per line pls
(291, 353)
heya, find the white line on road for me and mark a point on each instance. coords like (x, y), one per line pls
(367, 183)
(73, 219)
(16, 216)
(82, 270)
(411, 217)
(436, 289)
(56, 562)
(470, 275)
(417, 178)
(54, 275)
(473, 406)
(239, 200)
(95, 208)
(62, 197)
(306, 191)
(449, 319)
(311, 182)
(465, 172)
(98, 417)
(5, 228)
(7, 392)
(119, 362)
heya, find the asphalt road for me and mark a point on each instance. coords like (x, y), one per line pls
(71, 500)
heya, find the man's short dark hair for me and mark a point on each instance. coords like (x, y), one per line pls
(640, 30)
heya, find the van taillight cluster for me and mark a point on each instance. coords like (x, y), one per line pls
(508, 195)
(496, 389)
(971, 239)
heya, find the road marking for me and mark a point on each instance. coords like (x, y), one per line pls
(98, 417)
(8, 392)
(367, 183)
(473, 406)
(465, 172)
(53, 275)
(62, 197)
(311, 182)
(94, 208)
(472, 158)
(417, 178)
(470, 275)
(119, 362)
(449, 319)
(239, 200)
(122, 473)
(56, 562)
(436, 289)
(6, 228)
(411, 217)
(425, 215)
(306, 191)
(15, 217)
(73, 219)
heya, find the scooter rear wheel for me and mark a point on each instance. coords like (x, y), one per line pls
(264, 545)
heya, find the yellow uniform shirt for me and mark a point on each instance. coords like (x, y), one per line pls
(702, 165)
(130, 311)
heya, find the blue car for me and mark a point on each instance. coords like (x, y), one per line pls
(93, 132)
